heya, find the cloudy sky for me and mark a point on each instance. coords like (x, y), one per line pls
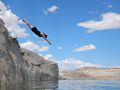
(82, 32)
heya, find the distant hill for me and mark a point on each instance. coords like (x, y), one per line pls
(91, 73)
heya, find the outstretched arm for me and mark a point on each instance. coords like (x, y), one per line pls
(45, 38)
(47, 41)
(27, 23)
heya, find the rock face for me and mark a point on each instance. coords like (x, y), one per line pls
(11, 63)
(38, 68)
(20, 65)
(91, 73)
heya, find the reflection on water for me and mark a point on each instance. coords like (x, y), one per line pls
(42, 85)
(31, 85)
(64, 85)
(89, 85)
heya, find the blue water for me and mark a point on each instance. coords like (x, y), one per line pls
(89, 85)
(65, 85)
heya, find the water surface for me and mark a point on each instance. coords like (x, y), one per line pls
(89, 85)
(65, 85)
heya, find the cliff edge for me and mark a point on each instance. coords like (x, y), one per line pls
(20, 65)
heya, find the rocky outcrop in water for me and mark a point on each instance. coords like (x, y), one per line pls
(20, 65)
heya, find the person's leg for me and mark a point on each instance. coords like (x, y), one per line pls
(27, 23)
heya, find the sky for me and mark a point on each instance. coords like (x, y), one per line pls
(83, 33)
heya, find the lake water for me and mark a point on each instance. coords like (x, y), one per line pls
(89, 85)
(66, 85)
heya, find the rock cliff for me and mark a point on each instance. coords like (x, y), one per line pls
(11, 62)
(20, 65)
(38, 68)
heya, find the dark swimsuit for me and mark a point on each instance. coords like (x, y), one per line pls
(35, 30)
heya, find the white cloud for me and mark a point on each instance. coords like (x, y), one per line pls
(48, 56)
(60, 48)
(20, 22)
(52, 9)
(85, 48)
(110, 5)
(109, 21)
(33, 47)
(69, 63)
(72, 63)
(11, 22)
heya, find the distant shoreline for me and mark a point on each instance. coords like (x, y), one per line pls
(90, 73)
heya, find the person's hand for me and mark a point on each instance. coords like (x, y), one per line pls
(50, 43)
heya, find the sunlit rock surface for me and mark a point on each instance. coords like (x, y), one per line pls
(21, 69)
(38, 68)
(12, 68)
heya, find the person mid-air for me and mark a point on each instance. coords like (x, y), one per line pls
(35, 30)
